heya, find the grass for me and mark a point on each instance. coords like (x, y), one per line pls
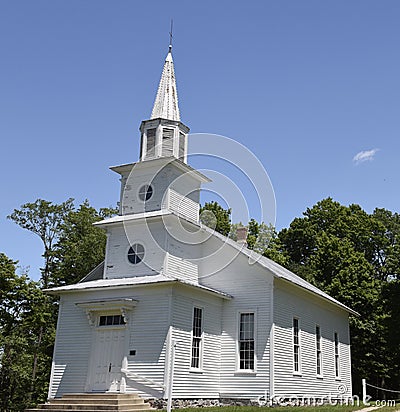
(325, 408)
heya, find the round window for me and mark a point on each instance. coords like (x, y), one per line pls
(145, 192)
(136, 253)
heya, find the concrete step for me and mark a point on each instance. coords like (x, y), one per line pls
(94, 409)
(91, 400)
(102, 395)
(95, 402)
(91, 405)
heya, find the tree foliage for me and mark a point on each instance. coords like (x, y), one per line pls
(72, 248)
(353, 256)
(44, 219)
(27, 328)
(81, 245)
(216, 217)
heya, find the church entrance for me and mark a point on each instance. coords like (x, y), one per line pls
(108, 353)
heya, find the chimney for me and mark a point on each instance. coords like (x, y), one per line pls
(241, 233)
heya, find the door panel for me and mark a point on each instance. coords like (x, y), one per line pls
(108, 355)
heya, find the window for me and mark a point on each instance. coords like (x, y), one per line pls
(197, 337)
(145, 192)
(151, 142)
(136, 253)
(181, 146)
(296, 345)
(111, 320)
(246, 341)
(168, 142)
(318, 349)
(336, 339)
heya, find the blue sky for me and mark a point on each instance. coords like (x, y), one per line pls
(305, 85)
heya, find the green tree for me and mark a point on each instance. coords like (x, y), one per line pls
(81, 245)
(44, 219)
(351, 255)
(216, 217)
(72, 248)
(25, 314)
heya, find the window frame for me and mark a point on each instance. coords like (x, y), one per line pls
(109, 316)
(129, 248)
(199, 339)
(239, 341)
(336, 354)
(296, 346)
(318, 351)
(144, 190)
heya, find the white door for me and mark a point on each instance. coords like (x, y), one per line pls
(109, 348)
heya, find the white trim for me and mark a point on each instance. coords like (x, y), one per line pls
(272, 344)
(239, 371)
(201, 351)
(321, 374)
(299, 371)
(108, 234)
(337, 371)
(55, 350)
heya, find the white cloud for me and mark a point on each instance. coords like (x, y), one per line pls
(365, 155)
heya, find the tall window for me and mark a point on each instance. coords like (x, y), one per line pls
(296, 345)
(246, 341)
(318, 349)
(197, 337)
(336, 339)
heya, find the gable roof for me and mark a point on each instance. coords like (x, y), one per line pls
(134, 281)
(277, 270)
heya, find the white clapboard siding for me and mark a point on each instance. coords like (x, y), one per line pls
(150, 235)
(189, 383)
(251, 290)
(72, 350)
(161, 179)
(180, 268)
(182, 205)
(291, 302)
(147, 334)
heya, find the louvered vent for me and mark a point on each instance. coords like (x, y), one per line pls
(181, 146)
(151, 143)
(168, 142)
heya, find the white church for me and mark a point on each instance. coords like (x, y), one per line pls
(177, 306)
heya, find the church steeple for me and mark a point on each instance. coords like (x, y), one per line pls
(166, 102)
(164, 135)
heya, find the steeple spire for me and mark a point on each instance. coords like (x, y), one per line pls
(164, 135)
(166, 103)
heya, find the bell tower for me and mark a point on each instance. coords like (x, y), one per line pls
(162, 178)
(159, 199)
(164, 135)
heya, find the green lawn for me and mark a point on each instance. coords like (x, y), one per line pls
(326, 408)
